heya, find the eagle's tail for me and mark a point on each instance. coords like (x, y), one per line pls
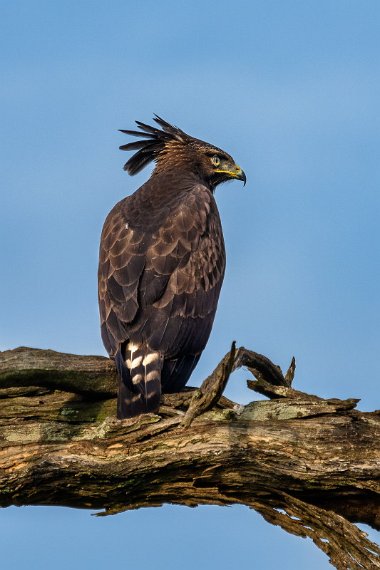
(139, 381)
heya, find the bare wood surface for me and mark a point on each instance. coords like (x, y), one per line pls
(307, 464)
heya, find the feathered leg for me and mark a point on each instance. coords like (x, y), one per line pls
(175, 373)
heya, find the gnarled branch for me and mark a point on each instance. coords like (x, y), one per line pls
(60, 444)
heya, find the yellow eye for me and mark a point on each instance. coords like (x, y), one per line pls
(215, 160)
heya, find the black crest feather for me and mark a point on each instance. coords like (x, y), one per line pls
(152, 143)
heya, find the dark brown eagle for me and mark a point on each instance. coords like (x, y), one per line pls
(161, 266)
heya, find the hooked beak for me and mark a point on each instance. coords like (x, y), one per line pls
(233, 171)
(240, 174)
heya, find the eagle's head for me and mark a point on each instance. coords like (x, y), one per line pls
(172, 148)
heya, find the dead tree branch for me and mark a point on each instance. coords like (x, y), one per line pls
(307, 464)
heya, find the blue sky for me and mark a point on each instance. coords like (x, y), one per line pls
(291, 89)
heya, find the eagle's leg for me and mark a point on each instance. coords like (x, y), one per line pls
(176, 372)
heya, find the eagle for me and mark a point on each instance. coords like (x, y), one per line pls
(161, 264)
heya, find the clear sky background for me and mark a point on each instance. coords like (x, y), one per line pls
(290, 88)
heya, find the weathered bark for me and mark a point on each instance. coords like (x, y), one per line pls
(310, 465)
